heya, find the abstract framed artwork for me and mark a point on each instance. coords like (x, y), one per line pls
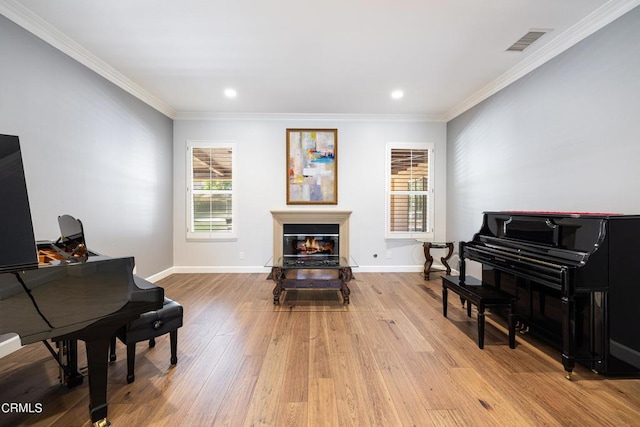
(312, 166)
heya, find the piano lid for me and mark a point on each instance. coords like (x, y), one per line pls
(18, 249)
(560, 213)
(564, 231)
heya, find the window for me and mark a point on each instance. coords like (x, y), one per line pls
(211, 191)
(409, 195)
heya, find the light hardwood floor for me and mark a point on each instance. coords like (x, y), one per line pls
(388, 359)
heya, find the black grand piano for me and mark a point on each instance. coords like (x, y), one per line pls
(61, 291)
(577, 279)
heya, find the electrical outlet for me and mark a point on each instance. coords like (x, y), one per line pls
(241, 255)
(389, 255)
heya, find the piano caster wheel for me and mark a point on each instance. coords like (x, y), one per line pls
(174, 360)
(152, 343)
(130, 378)
(102, 423)
(568, 375)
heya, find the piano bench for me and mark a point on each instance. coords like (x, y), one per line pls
(147, 327)
(473, 291)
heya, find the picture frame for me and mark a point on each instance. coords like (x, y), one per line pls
(312, 166)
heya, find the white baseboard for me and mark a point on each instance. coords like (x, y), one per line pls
(262, 269)
(388, 268)
(9, 343)
(221, 269)
(161, 275)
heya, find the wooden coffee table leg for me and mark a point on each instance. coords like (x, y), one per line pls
(277, 274)
(345, 275)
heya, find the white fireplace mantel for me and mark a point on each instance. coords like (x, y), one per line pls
(310, 216)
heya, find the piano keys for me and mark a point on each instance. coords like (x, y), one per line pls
(576, 277)
(72, 293)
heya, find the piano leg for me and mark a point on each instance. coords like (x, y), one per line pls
(568, 334)
(97, 360)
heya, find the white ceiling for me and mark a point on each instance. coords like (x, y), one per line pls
(331, 57)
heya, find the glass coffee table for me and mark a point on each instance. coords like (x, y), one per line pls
(311, 275)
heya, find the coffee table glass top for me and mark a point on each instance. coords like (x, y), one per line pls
(310, 262)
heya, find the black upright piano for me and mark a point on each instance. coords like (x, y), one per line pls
(577, 279)
(62, 291)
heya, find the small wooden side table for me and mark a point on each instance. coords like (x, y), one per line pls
(429, 259)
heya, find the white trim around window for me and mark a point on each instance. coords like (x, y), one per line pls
(212, 190)
(409, 189)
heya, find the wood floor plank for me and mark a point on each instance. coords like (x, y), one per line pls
(262, 409)
(323, 409)
(389, 358)
(295, 384)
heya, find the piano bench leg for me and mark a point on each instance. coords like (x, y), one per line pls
(480, 326)
(444, 301)
(173, 337)
(131, 362)
(112, 349)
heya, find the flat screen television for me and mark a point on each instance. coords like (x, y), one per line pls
(17, 242)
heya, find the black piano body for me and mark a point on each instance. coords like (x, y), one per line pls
(577, 279)
(61, 291)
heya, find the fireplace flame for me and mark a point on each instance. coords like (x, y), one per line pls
(312, 246)
(311, 243)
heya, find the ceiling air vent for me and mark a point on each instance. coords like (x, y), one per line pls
(526, 40)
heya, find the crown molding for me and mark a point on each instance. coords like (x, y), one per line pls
(309, 117)
(31, 22)
(598, 19)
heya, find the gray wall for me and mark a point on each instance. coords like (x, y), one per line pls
(564, 138)
(90, 150)
(262, 177)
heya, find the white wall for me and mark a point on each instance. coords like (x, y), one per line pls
(262, 178)
(564, 138)
(89, 150)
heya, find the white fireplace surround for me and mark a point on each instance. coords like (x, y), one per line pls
(310, 216)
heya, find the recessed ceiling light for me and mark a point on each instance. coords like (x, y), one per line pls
(230, 93)
(397, 94)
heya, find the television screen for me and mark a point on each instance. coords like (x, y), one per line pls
(17, 241)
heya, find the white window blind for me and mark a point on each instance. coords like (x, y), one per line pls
(211, 191)
(409, 190)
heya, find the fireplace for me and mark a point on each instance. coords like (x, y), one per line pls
(311, 245)
(294, 231)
